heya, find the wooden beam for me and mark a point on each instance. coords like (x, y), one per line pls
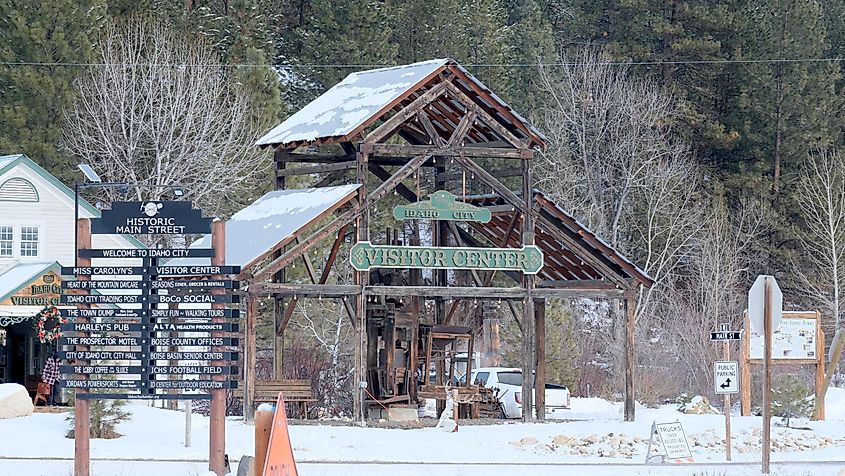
(330, 178)
(404, 150)
(576, 284)
(315, 169)
(395, 160)
(324, 276)
(461, 131)
(540, 360)
(304, 290)
(430, 130)
(389, 126)
(484, 116)
(630, 305)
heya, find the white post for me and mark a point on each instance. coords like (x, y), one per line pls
(188, 405)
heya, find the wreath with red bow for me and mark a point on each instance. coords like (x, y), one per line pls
(48, 323)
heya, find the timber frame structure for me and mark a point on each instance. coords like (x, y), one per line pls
(442, 127)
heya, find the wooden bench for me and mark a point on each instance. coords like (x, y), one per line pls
(297, 391)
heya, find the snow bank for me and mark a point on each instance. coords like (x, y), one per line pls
(14, 401)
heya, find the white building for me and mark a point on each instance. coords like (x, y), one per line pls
(37, 234)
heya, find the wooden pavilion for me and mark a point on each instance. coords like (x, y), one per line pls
(384, 131)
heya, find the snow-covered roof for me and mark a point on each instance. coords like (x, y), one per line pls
(22, 274)
(349, 103)
(273, 218)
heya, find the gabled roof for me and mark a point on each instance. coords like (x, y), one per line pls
(271, 222)
(343, 112)
(8, 162)
(572, 252)
(20, 275)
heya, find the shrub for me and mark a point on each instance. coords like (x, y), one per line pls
(105, 416)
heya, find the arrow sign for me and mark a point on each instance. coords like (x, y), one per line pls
(195, 298)
(102, 299)
(102, 270)
(116, 313)
(193, 270)
(726, 376)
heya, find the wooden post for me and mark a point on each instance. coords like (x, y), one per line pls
(81, 407)
(528, 301)
(280, 157)
(440, 275)
(250, 349)
(263, 426)
(540, 330)
(745, 370)
(767, 370)
(821, 389)
(630, 326)
(726, 355)
(456, 408)
(835, 353)
(188, 411)
(362, 279)
(217, 413)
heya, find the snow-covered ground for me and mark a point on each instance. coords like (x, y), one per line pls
(597, 441)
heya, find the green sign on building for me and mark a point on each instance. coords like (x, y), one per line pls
(365, 255)
(442, 206)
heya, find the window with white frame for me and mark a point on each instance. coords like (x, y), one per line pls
(29, 241)
(6, 243)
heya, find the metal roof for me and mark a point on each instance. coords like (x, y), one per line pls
(365, 97)
(19, 275)
(270, 222)
(350, 103)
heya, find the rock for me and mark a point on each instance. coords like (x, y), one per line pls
(699, 406)
(527, 441)
(14, 401)
(638, 439)
(624, 441)
(593, 438)
(563, 440)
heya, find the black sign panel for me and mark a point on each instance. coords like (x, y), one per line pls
(194, 370)
(194, 298)
(102, 355)
(194, 327)
(730, 335)
(193, 355)
(103, 327)
(140, 396)
(151, 218)
(102, 270)
(102, 341)
(101, 369)
(73, 383)
(197, 313)
(194, 341)
(148, 253)
(191, 285)
(115, 313)
(193, 384)
(193, 270)
(102, 299)
(118, 285)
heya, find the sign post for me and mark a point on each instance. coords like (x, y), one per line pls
(726, 377)
(765, 310)
(137, 352)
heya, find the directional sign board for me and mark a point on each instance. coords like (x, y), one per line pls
(147, 253)
(726, 376)
(756, 304)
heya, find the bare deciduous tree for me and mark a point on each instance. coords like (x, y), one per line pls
(821, 201)
(616, 163)
(159, 108)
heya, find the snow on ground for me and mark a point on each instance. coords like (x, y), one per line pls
(35, 442)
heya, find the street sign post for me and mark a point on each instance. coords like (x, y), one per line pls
(765, 311)
(132, 346)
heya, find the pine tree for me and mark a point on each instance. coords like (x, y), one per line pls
(33, 96)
